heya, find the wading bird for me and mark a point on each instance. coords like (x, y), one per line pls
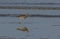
(24, 16)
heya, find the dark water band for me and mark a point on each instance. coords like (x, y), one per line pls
(28, 15)
(31, 7)
(31, 3)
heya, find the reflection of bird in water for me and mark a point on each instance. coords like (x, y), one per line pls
(23, 29)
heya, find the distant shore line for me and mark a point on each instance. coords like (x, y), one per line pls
(32, 3)
(30, 7)
(28, 15)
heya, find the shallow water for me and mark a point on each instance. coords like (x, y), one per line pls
(39, 27)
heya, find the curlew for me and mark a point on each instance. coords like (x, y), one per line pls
(22, 16)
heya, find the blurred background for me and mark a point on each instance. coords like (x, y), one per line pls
(39, 27)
